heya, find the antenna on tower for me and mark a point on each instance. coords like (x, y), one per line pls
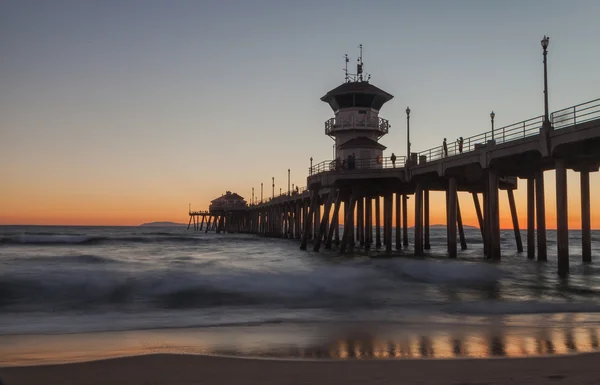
(359, 66)
(346, 70)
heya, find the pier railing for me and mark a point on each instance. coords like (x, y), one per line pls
(566, 117)
(578, 114)
(374, 123)
(499, 135)
(358, 164)
(205, 212)
(284, 195)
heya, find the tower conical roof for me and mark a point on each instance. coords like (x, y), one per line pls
(356, 94)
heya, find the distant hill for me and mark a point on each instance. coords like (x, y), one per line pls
(163, 224)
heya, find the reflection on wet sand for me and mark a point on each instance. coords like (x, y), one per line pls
(306, 342)
(465, 345)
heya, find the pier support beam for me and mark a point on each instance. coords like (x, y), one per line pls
(360, 216)
(478, 211)
(494, 212)
(334, 220)
(541, 215)
(530, 218)
(419, 220)
(515, 220)
(486, 219)
(323, 226)
(377, 223)
(426, 244)
(461, 230)
(398, 227)
(388, 225)
(451, 215)
(586, 235)
(404, 220)
(317, 219)
(562, 225)
(314, 201)
(369, 222)
(348, 230)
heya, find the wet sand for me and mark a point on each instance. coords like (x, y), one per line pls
(171, 369)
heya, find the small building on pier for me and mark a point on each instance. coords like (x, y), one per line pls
(228, 202)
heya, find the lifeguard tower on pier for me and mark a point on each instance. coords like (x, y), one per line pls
(357, 126)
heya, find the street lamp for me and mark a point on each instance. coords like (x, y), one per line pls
(289, 191)
(492, 115)
(261, 192)
(407, 134)
(273, 187)
(311, 169)
(252, 195)
(545, 42)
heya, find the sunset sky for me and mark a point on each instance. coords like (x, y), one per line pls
(124, 112)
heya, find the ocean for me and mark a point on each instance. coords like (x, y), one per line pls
(242, 294)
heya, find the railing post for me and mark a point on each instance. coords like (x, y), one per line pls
(574, 116)
(523, 129)
(503, 138)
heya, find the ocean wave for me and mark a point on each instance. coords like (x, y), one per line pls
(521, 307)
(59, 239)
(81, 259)
(447, 272)
(51, 239)
(64, 288)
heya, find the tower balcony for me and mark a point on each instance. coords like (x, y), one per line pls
(377, 124)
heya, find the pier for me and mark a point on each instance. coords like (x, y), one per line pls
(361, 180)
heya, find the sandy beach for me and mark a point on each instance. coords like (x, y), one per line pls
(168, 369)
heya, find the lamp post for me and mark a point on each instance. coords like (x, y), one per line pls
(252, 195)
(289, 191)
(261, 192)
(273, 187)
(492, 115)
(407, 134)
(311, 169)
(545, 42)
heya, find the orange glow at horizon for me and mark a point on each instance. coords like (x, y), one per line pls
(24, 204)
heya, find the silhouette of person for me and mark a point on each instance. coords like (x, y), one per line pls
(393, 159)
(445, 146)
(460, 144)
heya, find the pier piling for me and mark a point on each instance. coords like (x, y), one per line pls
(451, 215)
(398, 218)
(377, 223)
(494, 212)
(515, 220)
(418, 220)
(461, 231)
(541, 215)
(562, 225)
(530, 218)
(586, 235)
(404, 220)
